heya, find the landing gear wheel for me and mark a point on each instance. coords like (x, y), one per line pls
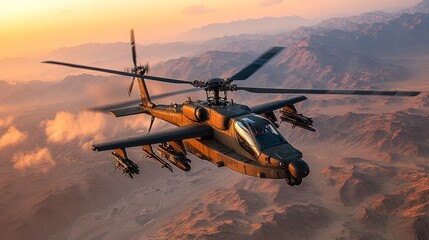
(298, 181)
(291, 181)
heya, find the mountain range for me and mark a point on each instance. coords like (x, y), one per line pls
(117, 55)
(262, 26)
(368, 157)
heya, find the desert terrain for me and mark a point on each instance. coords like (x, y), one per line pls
(369, 157)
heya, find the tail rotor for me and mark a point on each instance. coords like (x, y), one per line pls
(137, 69)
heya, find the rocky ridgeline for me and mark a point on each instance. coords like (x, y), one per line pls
(401, 132)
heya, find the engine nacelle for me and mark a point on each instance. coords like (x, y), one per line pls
(195, 113)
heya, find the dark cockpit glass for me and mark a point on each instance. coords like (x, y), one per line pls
(262, 134)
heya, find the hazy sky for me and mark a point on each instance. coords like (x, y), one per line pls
(33, 27)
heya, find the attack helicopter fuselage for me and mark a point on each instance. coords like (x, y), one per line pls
(243, 141)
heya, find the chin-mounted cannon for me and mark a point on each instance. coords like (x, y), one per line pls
(290, 115)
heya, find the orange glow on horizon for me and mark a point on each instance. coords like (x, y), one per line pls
(33, 28)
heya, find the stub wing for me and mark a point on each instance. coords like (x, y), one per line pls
(175, 134)
(271, 106)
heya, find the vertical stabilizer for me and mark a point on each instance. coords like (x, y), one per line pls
(144, 94)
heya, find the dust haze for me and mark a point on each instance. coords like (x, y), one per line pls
(369, 156)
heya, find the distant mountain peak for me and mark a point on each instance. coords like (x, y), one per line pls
(265, 25)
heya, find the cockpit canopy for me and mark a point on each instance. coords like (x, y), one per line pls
(256, 133)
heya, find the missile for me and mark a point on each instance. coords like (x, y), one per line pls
(157, 159)
(126, 165)
(177, 159)
(297, 120)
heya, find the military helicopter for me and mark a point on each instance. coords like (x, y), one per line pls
(244, 139)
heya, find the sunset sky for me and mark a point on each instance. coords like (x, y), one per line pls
(33, 27)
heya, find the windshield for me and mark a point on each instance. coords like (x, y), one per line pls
(262, 132)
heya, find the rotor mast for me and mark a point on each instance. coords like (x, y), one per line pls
(215, 86)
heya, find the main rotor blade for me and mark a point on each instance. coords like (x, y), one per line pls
(256, 64)
(133, 49)
(159, 79)
(327, 91)
(118, 105)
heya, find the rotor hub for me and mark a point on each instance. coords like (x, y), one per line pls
(141, 70)
(215, 84)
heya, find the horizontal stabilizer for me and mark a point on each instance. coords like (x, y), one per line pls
(127, 111)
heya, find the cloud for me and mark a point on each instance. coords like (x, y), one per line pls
(196, 9)
(90, 127)
(6, 122)
(12, 137)
(67, 126)
(86, 146)
(136, 123)
(40, 158)
(267, 3)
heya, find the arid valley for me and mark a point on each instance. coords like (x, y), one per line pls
(369, 157)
